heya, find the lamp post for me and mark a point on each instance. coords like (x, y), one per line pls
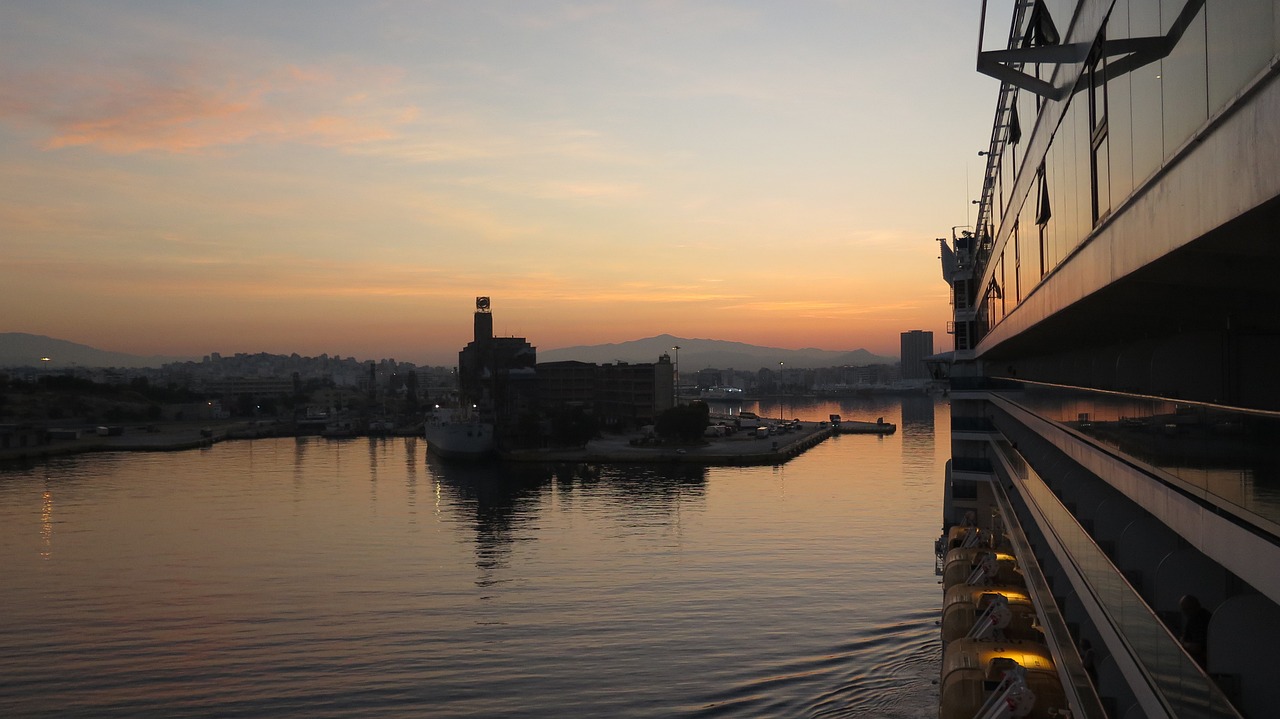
(780, 391)
(675, 384)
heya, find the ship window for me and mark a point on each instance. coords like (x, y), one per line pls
(1040, 28)
(1099, 147)
(1017, 264)
(1000, 270)
(1043, 213)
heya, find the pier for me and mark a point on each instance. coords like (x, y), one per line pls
(741, 449)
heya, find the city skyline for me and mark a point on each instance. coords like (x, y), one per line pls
(321, 178)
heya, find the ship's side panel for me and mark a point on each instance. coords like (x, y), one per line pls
(1115, 386)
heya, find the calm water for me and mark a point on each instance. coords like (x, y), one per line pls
(358, 578)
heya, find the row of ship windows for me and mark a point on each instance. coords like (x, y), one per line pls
(1122, 124)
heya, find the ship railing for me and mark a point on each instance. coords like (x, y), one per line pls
(1172, 684)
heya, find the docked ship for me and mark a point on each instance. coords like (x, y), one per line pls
(496, 383)
(1112, 505)
(454, 434)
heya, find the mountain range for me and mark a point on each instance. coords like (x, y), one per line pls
(696, 354)
(19, 349)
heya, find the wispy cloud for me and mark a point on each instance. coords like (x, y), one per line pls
(197, 109)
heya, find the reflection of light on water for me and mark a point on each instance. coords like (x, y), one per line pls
(46, 524)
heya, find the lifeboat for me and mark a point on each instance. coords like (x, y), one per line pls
(962, 563)
(972, 536)
(968, 536)
(989, 612)
(1016, 676)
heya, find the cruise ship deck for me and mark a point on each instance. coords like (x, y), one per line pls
(1114, 384)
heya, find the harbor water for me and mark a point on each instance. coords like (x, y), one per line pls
(340, 578)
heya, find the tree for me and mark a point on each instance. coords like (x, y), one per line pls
(572, 427)
(685, 422)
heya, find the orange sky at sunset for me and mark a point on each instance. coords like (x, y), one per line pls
(345, 178)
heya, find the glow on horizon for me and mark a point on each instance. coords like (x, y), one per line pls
(327, 178)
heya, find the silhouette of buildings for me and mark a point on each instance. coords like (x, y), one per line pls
(496, 374)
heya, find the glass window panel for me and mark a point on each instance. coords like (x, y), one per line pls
(1006, 174)
(1120, 136)
(1060, 185)
(1102, 175)
(1183, 78)
(1050, 229)
(1084, 174)
(1148, 133)
(1241, 40)
(1119, 113)
(1065, 212)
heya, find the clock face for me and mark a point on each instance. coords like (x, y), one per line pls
(482, 303)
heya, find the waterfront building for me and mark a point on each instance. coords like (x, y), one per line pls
(623, 394)
(634, 394)
(567, 383)
(1114, 398)
(915, 346)
(496, 374)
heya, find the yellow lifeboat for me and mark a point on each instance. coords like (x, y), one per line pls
(968, 536)
(967, 605)
(979, 675)
(961, 563)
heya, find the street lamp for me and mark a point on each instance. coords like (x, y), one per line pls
(675, 385)
(780, 391)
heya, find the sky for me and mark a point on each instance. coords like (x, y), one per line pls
(347, 177)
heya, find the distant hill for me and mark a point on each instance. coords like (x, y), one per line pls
(19, 349)
(696, 354)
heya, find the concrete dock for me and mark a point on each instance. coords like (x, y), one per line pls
(743, 448)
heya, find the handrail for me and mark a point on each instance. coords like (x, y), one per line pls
(1176, 681)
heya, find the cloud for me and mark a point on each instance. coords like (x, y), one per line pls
(193, 109)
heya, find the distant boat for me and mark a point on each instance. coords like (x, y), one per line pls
(721, 394)
(450, 434)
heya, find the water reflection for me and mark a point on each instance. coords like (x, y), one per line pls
(46, 525)
(496, 500)
(917, 413)
(411, 459)
(917, 437)
(502, 502)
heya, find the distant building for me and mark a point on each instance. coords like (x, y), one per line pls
(635, 394)
(916, 345)
(569, 383)
(252, 386)
(497, 373)
(621, 394)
